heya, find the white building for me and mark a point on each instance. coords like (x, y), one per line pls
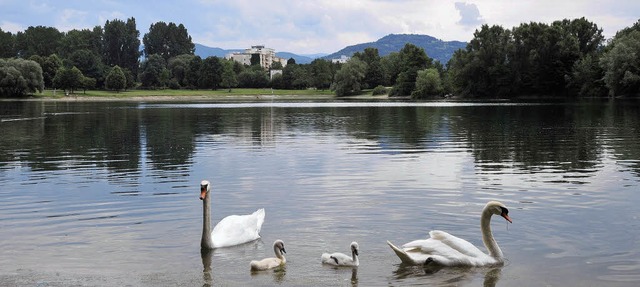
(343, 59)
(267, 56)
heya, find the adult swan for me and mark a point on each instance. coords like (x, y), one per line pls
(231, 230)
(444, 249)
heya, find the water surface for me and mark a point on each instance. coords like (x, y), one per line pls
(106, 193)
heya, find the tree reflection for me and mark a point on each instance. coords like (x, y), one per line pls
(119, 136)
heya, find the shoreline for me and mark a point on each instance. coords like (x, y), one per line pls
(195, 98)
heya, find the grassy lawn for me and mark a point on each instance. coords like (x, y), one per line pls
(186, 93)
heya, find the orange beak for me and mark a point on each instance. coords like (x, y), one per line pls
(506, 217)
(203, 193)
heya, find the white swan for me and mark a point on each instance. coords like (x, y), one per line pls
(231, 230)
(445, 249)
(269, 263)
(341, 259)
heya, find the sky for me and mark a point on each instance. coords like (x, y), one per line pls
(314, 26)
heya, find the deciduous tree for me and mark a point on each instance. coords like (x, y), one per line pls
(167, 40)
(350, 78)
(116, 79)
(121, 44)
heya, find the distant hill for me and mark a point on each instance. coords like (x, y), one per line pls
(435, 48)
(299, 58)
(204, 51)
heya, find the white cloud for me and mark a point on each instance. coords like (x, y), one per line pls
(11, 27)
(313, 26)
(70, 19)
(469, 14)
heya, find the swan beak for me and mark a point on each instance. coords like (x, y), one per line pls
(506, 217)
(203, 193)
(283, 251)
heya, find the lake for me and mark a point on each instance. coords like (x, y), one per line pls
(106, 193)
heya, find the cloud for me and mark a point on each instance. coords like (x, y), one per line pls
(70, 19)
(11, 27)
(469, 13)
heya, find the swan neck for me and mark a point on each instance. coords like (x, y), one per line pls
(487, 237)
(206, 243)
(279, 254)
(354, 256)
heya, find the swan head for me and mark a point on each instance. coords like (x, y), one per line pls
(354, 247)
(205, 187)
(497, 208)
(279, 245)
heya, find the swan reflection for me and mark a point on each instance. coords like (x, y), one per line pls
(228, 253)
(207, 277)
(438, 275)
(278, 273)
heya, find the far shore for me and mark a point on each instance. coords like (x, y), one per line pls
(234, 95)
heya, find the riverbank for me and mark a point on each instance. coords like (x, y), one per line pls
(235, 95)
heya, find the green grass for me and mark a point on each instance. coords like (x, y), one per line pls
(186, 93)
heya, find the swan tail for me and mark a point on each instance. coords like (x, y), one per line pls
(404, 257)
(260, 215)
(326, 258)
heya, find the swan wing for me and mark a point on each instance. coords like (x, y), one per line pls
(338, 259)
(457, 243)
(265, 264)
(237, 229)
(445, 249)
(409, 256)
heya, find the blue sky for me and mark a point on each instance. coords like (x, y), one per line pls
(313, 26)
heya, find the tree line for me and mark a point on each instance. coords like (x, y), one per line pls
(567, 58)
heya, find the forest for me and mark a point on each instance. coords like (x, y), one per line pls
(564, 59)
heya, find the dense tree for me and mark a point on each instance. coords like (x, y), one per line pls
(89, 63)
(167, 40)
(210, 72)
(84, 39)
(228, 78)
(88, 83)
(178, 66)
(350, 78)
(121, 44)
(193, 72)
(152, 70)
(50, 68)
(69, 79)
(374, 75)
(253, 77)
(19, 77)
(482, 69)
(130, 79)
(39, 40)
(277, 82)
(532, 59)
(412, 59)
(276, 65)
(321, 74)
(301, 78)
(391, 68)
(116, 79)
(428, 83)
(621, 64)
(7, 44)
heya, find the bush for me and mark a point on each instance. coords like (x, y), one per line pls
(19, 77)
(173, 84)
(379, 90)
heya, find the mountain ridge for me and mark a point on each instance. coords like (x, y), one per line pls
(435, 48)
